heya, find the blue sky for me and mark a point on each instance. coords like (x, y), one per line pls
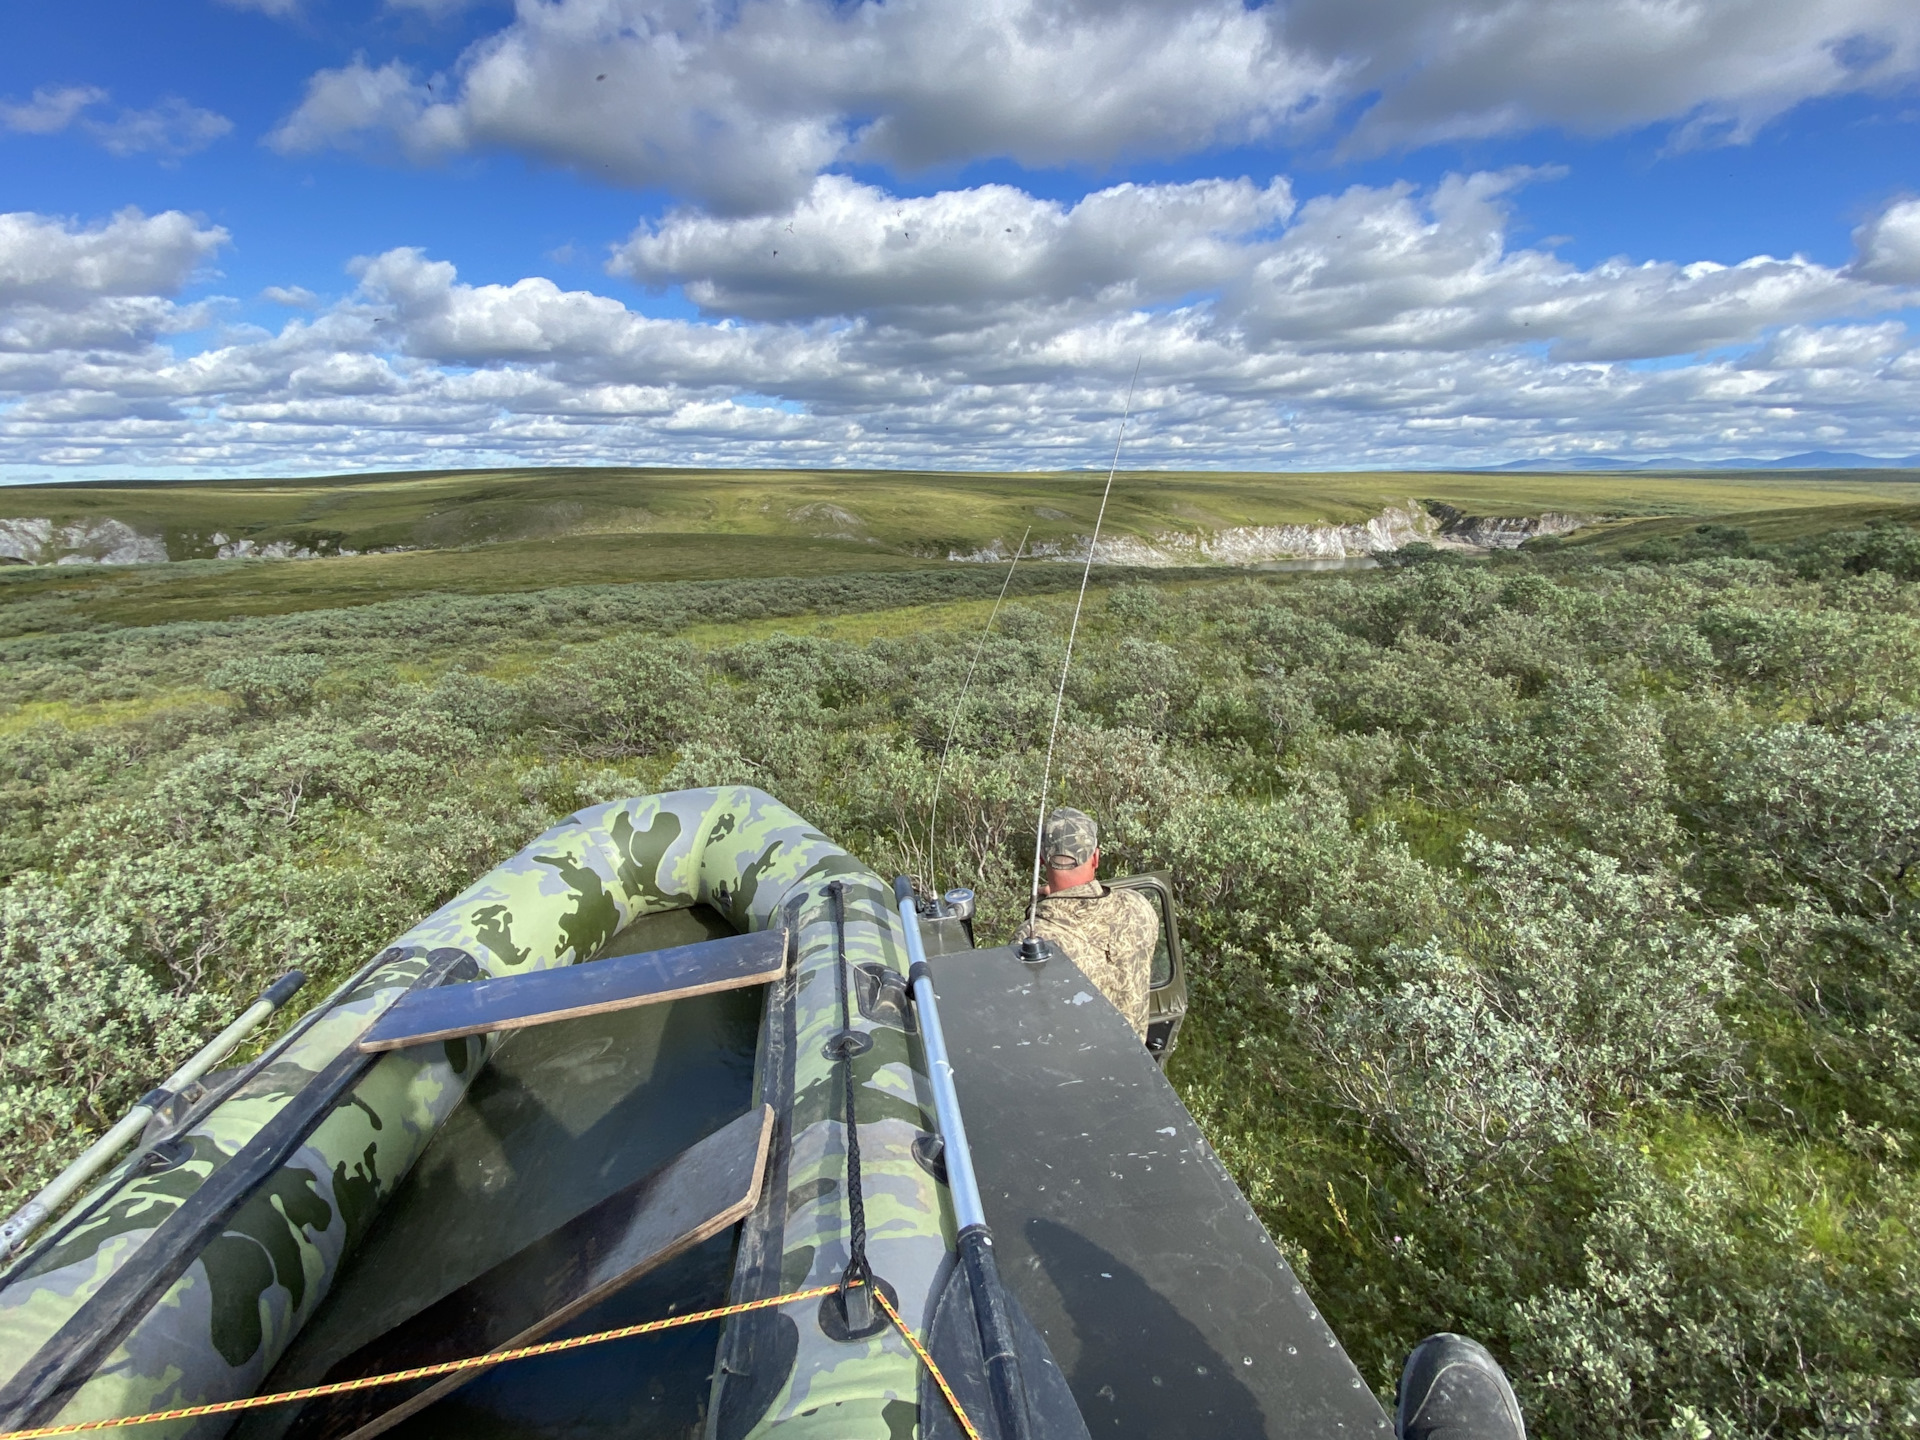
(290, 236)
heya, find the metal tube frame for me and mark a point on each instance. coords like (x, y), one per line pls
(961, 1184)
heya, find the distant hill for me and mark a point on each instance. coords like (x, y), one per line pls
(1806, 460)
(214, 549)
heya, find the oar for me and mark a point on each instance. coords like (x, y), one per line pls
(29, 1217)
(998, 1318)
(41, 1387)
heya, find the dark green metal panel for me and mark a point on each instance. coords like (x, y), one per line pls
(1160, 1293)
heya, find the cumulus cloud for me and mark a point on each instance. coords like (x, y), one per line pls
(1458, 69)
(1833, 347)
(360, 106)
(849, 248)
(1889, 244)
(1391, 269)
(51, 109)
(424, 309)
(740, 106)
(1382, 326)
(56, 260)
(1371, 269)
(111, 286)
(294, 297)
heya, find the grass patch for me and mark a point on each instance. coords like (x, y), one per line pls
(508, 532)
(1763, 527)
(218, 589)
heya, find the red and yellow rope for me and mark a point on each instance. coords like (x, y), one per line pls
(498, 1357)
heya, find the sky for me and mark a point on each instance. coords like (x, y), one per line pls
(282, 237)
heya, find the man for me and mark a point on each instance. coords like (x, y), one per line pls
(1110, 934)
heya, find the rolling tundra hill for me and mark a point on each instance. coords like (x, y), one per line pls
(367, 538)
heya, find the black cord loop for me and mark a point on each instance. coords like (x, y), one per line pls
(855, 1297)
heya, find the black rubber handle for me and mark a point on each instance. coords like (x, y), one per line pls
(902, 889)
(283, 989)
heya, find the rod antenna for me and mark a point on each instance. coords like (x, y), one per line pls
(1073, 631)
(953, 725)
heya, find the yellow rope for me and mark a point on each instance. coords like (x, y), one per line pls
(489, 1360)
(959, 1411)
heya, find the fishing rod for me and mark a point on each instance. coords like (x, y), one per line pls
(974, 1243)
(1073, 631)
(953, 725)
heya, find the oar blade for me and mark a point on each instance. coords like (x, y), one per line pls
(543, 996)
(954, 1343)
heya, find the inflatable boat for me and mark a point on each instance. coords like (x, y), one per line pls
(683, 1073)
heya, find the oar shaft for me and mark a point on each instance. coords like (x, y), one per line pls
(967, 1209)
(991, 1313)
(30, 1216)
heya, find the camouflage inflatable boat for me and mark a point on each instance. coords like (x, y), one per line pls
(480, 1141)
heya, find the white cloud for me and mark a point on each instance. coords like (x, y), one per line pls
(52, 259)
(1452, 69)
(1380, 326)
(50, 110)
(1889, 244)
(1372, 269)
(118, 322)
(1833, 347)
(376, 109)
(295, 297)
(739, 106)
(1387, 269)
(947, 258)
(65, 288)
(171, 130)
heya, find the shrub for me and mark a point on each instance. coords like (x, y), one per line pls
(269, 684)
(1563, 990)
(1552, 924)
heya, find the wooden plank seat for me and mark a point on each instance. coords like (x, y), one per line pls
(616, 983)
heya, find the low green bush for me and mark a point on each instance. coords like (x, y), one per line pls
(1554, 924)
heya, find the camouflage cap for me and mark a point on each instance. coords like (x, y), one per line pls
(1070, 838)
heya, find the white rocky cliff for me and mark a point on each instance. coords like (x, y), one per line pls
(83, 542)
(39, 541)
(1394, 528)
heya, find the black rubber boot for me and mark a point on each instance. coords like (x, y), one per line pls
(1452, 1389)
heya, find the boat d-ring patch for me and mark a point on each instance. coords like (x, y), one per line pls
(847, 1043)
(833, 1315)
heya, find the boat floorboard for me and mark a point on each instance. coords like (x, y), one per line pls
(563, 1117)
